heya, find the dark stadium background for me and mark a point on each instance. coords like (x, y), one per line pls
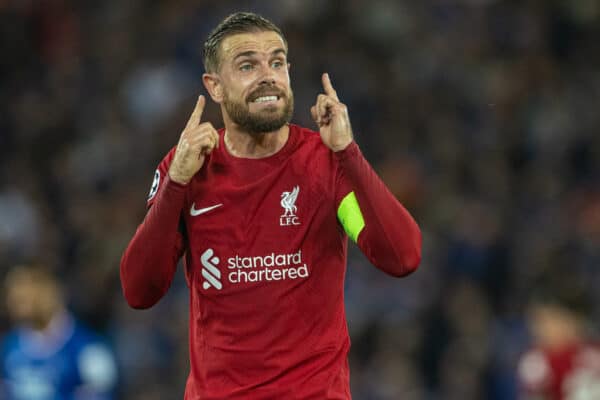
(482, 116)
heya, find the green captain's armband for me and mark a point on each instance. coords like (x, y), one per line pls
(350, 216)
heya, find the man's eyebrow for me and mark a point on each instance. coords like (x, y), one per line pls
(251, 53)
(279, 51)
(244, 54)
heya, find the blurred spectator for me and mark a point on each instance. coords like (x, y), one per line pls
(564, 361)
(49, 355)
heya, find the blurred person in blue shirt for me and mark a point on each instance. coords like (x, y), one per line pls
(49, 355)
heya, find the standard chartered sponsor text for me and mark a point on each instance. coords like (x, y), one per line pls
(271, 267)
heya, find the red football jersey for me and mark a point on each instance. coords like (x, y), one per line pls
(265, 256)
(570, 373)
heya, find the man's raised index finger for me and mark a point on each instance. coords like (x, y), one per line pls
(197, 113)
(329, 90)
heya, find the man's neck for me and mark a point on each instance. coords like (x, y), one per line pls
(245, 145)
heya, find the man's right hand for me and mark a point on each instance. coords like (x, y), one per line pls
(196, 141)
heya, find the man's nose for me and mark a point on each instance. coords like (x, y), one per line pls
(267, 74)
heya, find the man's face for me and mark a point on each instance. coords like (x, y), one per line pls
(554, 325)
(255, 81)
(31, 302)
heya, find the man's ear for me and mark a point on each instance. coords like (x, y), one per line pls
(213, 86)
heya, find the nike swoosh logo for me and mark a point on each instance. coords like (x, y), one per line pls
(195, 213)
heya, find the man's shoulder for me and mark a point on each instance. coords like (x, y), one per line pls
(534, 370)
(308, 139)
(304, 132)
(9, 341)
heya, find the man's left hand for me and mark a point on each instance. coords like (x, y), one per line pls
(331, 116)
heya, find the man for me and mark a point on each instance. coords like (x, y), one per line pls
(50, 355)
(262, 210)
(563, 362)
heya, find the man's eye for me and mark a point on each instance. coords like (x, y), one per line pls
(246, 67)
(277, 64)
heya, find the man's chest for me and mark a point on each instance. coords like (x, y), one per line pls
(244, 234)
(33, 376)
(578, 373)
(272, 207)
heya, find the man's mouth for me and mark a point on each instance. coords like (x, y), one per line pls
(265, 99)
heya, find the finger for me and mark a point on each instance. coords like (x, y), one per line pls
(203, 143)
(320, 121)
(208, 144)
(313, 112)
(217, 138)
(197, 113)
(329, 90)
(202, 133)
(324, 107)
(200, 130)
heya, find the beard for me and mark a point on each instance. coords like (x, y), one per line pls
(266, 120)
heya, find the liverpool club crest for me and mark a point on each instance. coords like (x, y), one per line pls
(288, 202)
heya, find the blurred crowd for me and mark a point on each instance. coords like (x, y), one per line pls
(480, 115)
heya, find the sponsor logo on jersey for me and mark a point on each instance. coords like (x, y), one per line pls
(288, 202)
(270, 267)
(155, 185)
(210, 271)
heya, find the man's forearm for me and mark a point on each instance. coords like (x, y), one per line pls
(150, 260)
(390, 237)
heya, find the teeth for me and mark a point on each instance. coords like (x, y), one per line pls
(265, 98)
